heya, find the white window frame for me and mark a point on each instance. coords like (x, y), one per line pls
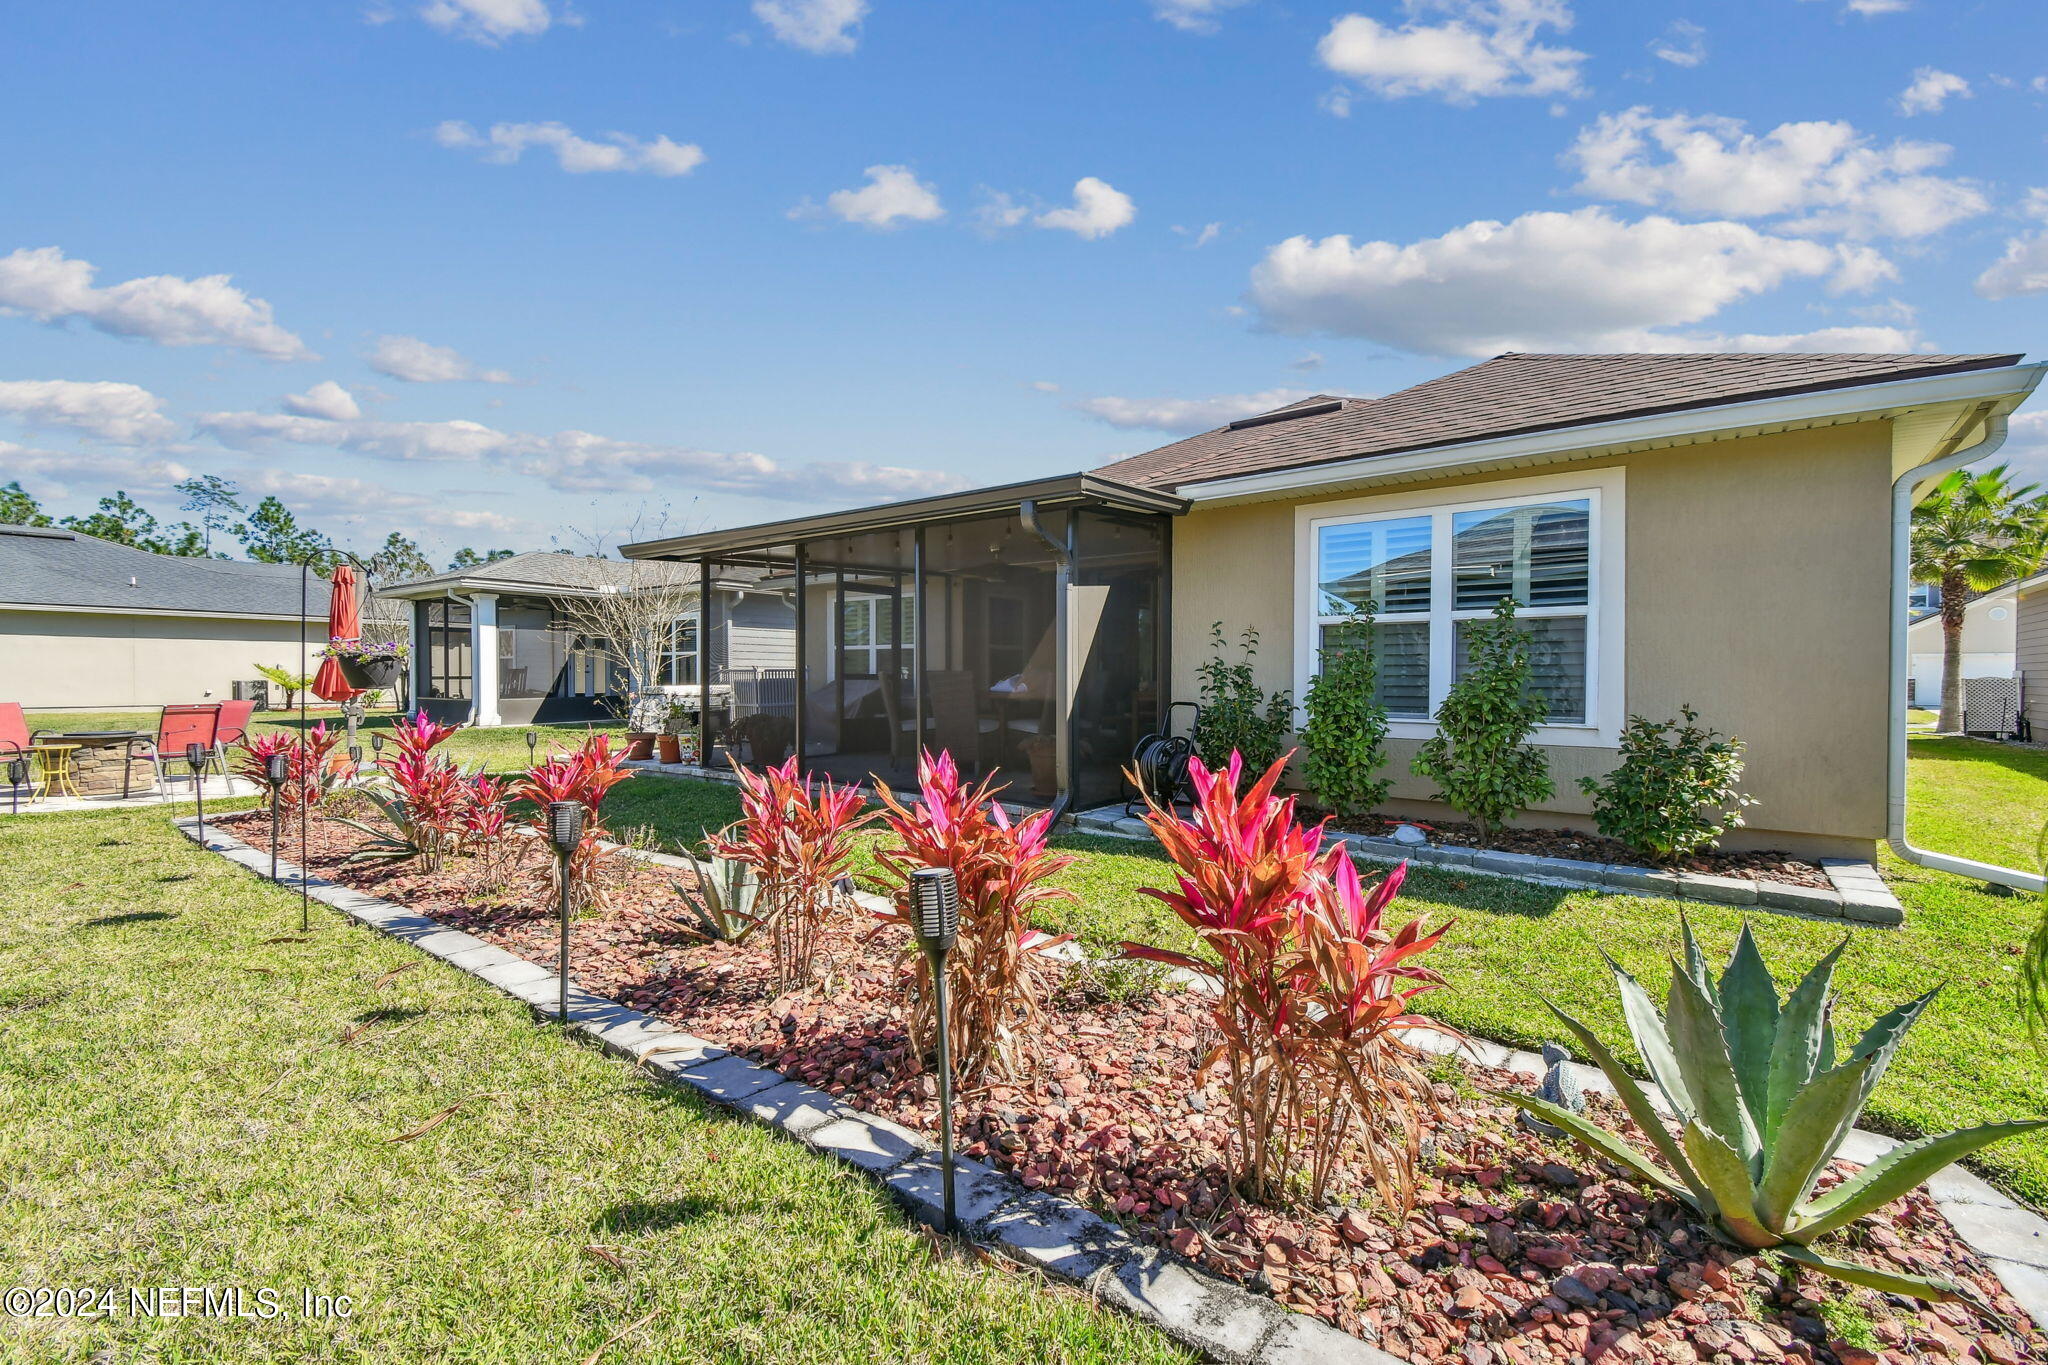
(875, 650)
(1605, 610)
(674, 656)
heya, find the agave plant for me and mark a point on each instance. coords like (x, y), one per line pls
(723, 897)
(1764, 1101)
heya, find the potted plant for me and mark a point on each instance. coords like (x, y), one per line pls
(643, 724)
(368, 667)
(676, 718)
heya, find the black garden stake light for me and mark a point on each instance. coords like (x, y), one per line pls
(377, 743)
(195, 754)
(277, 770)
(355, 755)
(532, 741)
(17, 778)
(935, 918)
(565, 832)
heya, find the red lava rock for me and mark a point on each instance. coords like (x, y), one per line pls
(1521, 1250)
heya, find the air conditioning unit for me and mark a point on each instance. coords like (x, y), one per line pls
(256, 690)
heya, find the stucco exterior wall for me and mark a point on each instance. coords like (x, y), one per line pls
(110, 661)
(1756, 574)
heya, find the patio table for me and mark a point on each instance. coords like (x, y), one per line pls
(95, 777)
(53, 761)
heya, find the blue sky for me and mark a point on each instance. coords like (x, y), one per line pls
(518, 272)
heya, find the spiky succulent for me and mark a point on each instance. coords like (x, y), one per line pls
(723, 896)
(1763, 1103)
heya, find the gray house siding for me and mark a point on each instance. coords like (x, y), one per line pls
(2031, 652)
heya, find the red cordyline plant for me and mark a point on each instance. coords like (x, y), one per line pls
(1312, 989)
(1000, 977)
(583, 774)
(429, 795)
(797, 835)
(313, 768)
(487, 832)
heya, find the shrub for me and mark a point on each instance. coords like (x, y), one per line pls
(1311, 989)
(1764, 1104)
(1345, 739)
(1478, 757)
(583, 775)
(487, 832)
(1237, 715)
(997, 972)
(313, 769)
(1674, 790)
(724, 896)
(425, 796)
(798, 837)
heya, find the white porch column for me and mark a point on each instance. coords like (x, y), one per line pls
(416, 655)
(483, 625)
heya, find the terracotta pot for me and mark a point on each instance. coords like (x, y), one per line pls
(671, 748)
(640, 745)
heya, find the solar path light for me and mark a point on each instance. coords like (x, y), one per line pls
(935, 919)
(195, 754)
(532, 742)
(17, 778)
(277, 770)
(565, 832)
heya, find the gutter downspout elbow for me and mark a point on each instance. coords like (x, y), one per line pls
(1904, 494)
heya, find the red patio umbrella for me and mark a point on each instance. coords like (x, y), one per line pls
(344, 625)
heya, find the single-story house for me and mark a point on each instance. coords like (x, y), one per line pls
(1724, 531)
(2030, 652)
(1990, 623)
(503, 644)
(89, 624)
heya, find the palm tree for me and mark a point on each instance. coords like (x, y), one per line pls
(1976, 531)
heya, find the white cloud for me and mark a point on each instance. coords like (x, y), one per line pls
(1202, 236)
(1851, 340)
(1583, 280)
(1684, 43)
(167, 309)
(1872, 8)
(577, 461)
(998, 211)
(1186, 415)
(1192, 16)
(893, 194)
(52, 474)
(821, 26)
(506, 142)
(2023, 269)
(115, 412)
(420, 362)
(1045, 386)
(2035, 205)
(328, 499)
(2026, 447)
(1834, 178)
(325, 399)
(1930, 90)
(488, 21)
(1308, 363)
(1482, 48)
(1099, 209)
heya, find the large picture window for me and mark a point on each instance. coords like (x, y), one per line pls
(678, 666)
(1429, 573)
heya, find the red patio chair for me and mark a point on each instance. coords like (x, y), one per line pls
(14, 736)
(179, 726)
(234, 724)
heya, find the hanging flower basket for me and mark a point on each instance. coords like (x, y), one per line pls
(368, 668)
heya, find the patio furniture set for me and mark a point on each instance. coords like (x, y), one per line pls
(114, 764)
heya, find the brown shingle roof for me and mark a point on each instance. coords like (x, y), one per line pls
(1511, 394)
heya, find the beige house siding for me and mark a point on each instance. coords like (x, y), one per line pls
(75, 660)
(1755, 574)
(2032, 653)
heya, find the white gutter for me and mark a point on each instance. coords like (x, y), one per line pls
(1804, 409)
(1906, 492)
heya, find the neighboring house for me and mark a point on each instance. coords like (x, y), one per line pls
(1712, 530)
(2030, 652)
(499, 644)
(88, 624)
(1989, 623)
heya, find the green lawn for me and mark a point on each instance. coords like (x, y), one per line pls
(183, 1110)
(1977, 799)
(1969, 1060)
(500, 747)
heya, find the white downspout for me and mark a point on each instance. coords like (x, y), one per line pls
(1905, 493)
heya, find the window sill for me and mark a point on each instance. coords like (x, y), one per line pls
(1559, 735)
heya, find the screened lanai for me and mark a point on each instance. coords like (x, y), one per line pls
(1021, 629)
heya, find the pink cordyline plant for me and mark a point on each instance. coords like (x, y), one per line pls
(797, 835)
(1312, 989)
(583, 774)
(434, 795)
(313, 769)
(998, 972)
(487, 832)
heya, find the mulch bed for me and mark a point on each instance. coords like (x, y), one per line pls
(1521, 1251)
(1768, 865)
